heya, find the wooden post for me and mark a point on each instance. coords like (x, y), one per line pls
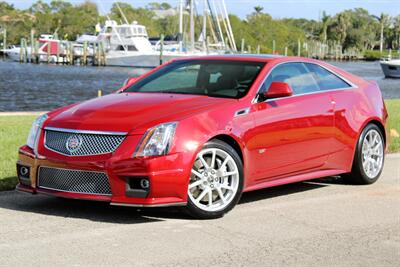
(258, 49)
(48, 52)
(58, 52)
(99, 93)
(22, 51)
(71, 52)
(273, 46)
(161, 48)
(4, 42)
(306, 45)
(286, 51)
(298, 48)
(94, 54)
(85, 47)
(249, 49)
(242, 46)
(103, 54)
(36, 47)
(32, 42)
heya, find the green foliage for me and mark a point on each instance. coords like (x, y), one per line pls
(393, 106)
(13, 133)
(260, 30)
(372, 55)
(353, 30)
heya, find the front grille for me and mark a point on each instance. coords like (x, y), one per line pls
(75, 143)
(76, 181)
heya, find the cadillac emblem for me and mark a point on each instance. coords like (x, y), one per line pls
(74, 142)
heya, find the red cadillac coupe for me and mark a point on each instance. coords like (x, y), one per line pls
(199, 132)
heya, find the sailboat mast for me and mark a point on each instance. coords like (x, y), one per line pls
(219, 25)
(205, 26)
(229, 26)
(192, 25)
(180, 24)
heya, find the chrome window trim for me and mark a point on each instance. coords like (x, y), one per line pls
(59, 190)
(83, 131)
(352, 85)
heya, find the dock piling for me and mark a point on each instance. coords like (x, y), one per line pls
(32, 42)
(4, 42)
(298, 48)
(273, 46)
(161, 48)
(85, 47)
(48, 52)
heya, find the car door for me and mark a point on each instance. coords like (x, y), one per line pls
(292, 134)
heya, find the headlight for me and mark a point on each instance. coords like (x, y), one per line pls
(157, 140)
(35, 130)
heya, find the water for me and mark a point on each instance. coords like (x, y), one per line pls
(29, 87)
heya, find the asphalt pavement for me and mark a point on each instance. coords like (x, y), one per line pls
(324, 222)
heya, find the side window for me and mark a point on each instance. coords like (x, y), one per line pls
(326, 80)
(296, 75)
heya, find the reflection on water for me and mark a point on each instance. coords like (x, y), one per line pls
(25, 87)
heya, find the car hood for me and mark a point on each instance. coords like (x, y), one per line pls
(131, 112)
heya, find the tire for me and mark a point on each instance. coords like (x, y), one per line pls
(216, 181)
(368, 160)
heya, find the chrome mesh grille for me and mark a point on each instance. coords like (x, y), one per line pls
(90, 144)
(75, 181)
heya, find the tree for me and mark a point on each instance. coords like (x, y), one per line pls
(165, 6)
(343, 25)
(383, 20)
(325, 20)
(396, 29)
(258, 9)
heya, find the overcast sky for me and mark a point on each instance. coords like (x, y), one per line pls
(310, 9)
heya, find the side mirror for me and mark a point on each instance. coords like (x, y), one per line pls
(278, 89)
(130, 81)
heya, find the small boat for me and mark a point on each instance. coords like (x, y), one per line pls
(391, 68)
(46, 42)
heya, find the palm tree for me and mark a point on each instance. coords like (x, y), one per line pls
(343, 22)
(383, 20)
(325, 22)
(258, 9)
(397, 30)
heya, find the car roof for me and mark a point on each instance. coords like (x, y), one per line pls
(241, 57)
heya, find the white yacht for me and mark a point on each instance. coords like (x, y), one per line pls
(391, 68)
(129, 45)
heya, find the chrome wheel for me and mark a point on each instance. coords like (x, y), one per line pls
(372, 154)
(214, 180)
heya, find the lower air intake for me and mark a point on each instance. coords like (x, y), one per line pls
(75, 181)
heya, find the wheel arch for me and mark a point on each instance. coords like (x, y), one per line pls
(232, 142)
(374, 121)
(379, 124)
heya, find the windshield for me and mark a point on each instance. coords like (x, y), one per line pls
(230, 79)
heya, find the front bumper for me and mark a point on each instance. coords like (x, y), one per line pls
(168, 175)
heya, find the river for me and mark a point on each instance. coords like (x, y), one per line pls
(29, 87)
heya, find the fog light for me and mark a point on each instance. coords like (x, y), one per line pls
(23, 171)
(144, 183)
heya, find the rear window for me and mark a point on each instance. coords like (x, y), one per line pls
(325, 79)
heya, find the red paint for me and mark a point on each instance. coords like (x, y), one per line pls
(282, 140)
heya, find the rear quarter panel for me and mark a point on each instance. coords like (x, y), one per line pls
(354, 109)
